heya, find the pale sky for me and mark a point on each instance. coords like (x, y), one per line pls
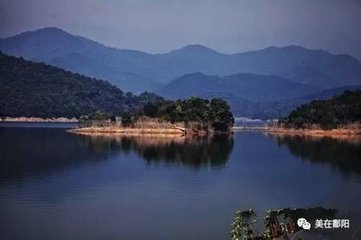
(225, 25)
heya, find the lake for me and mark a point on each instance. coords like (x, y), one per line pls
(56, 185)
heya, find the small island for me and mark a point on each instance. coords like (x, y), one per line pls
(338, 117)
(189, 117)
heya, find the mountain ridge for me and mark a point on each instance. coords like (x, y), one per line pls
(244, 92)
(136, 71)
(263, 77)
(186, 47)
(250, 95)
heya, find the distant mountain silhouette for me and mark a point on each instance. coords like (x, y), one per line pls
(244, 92)
(251, 87)
(137, 71)
(195, 49)
(264, 83)
(250, 95)
(284, 107)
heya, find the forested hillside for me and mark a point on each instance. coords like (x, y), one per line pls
(340, 110)
(29, 89)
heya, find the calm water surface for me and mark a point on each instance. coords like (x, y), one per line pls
(55, 185)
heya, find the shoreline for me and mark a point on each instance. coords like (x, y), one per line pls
(103, 131)
(333, 133)
(38, 120)
(338, 133)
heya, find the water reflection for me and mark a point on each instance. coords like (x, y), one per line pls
(33, 151)
(191, 152)
(84, 186)
(342, 154)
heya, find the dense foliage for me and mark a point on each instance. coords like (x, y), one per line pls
(278, 223)
(128, 119)
(340, 110)
(29, 89)
(207, 114)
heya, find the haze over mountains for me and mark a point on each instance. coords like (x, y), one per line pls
(252, 78)
(262, 87)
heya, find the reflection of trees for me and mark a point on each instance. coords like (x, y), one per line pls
(28, 151)
(197, 152)
(341, 154)
(194, 152)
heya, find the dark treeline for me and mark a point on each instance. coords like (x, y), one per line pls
(340, 110)
(207, 114)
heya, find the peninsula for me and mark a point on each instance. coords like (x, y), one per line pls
(338, 117)
(189, 117)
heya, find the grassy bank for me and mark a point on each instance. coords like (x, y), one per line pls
(37, 119)
(350, 131)
(104, 131)
(142, 126)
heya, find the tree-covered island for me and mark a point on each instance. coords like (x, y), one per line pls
(192, 116)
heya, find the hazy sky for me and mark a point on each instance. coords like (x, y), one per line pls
(225, 25)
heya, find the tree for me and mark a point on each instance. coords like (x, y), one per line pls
(196, 109)
(128, 119)
(100, 116)
(150, 110)
(84, 118)
(221, 117)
